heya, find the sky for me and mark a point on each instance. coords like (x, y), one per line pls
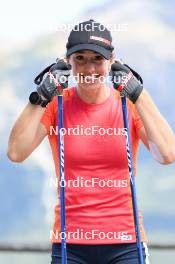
(23, 20)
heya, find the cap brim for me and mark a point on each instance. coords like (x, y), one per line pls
(102, 51)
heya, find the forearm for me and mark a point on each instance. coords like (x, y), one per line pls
(24, 131)
(159, 133)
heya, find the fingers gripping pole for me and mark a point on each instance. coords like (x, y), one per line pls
(62, 180)
(132, 180)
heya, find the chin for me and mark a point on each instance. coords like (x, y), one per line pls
(90, 87)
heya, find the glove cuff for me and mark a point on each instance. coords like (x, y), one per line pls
(134, 96)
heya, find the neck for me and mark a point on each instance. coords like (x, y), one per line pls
(93, 96)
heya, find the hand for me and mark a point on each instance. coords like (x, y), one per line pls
(126, 81)
(55, 81)
(58, 75)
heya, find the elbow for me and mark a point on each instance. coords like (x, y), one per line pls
(166, 156)
(169, 158)
(14, 157)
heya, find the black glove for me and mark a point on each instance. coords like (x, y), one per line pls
(57, 74)
(126, 81)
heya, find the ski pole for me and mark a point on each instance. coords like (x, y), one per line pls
(132, 180)
(62, 180)
(60, 88)
(59, 69)
(114, 68)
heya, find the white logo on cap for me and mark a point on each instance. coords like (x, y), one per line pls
(101, 39)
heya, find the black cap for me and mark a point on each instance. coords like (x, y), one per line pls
(90, 35)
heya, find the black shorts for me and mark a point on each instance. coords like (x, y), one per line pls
(99, 254)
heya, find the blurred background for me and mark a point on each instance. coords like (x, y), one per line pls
(32, 35)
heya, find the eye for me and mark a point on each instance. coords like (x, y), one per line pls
(98, 58)
(79, 57)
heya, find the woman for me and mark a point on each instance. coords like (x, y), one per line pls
(99, 215)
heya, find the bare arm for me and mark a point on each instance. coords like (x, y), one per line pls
(157, 135)
(27, 133)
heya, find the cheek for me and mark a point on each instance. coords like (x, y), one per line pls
(103, 70)
(76, 69)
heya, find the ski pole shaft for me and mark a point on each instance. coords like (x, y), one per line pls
(62, 180)
(132, 180)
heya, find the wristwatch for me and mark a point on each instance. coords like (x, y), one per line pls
(35, 99)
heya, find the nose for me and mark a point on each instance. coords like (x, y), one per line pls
(89, 68)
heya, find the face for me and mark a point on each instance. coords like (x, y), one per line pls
(89, 68)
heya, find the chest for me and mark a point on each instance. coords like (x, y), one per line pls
(95, 137)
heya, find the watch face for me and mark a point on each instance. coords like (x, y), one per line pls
(35, 98)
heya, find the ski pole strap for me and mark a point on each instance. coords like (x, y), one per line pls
(39, 77)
